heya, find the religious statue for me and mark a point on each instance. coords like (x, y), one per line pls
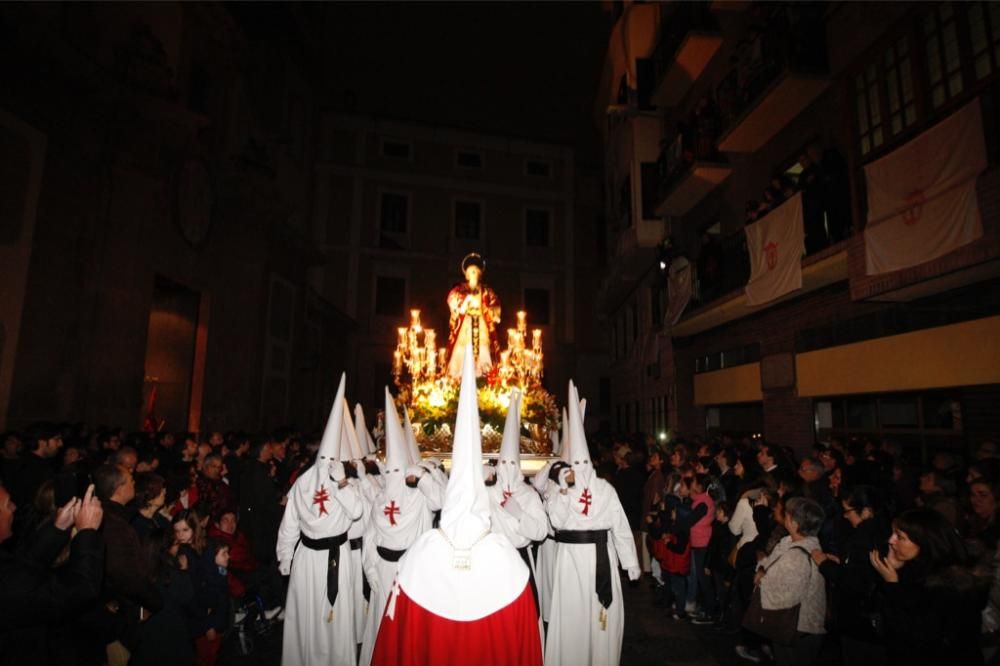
(475, 313)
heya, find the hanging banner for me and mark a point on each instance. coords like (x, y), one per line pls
(679, 284)
(775, 244)
(922, 201)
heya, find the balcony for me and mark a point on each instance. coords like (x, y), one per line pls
(689, 39)
(691, 168)
(780, 72)
(819, 270)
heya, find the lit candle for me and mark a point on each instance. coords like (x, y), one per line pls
(536, 339)
(415, 318)
(511, 337)
(430, 338)
(522, 323)
(442, 358)
(402, 337)
(397, 362)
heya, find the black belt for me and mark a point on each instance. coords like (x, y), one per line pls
(366, 589)
(332, 546)
(437, 519)
(531, 575)
(390, 555)
(602, 579)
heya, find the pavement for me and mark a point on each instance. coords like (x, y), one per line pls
(652, 638)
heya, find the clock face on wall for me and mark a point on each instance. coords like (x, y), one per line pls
(194, 201)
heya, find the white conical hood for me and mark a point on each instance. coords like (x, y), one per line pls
(554, 440)
(509, 465)
(329, 446)
(364, 437)
(465, 515)
(412, 450)
(579, 454)
(350, 447)
(564, 439)
(396, 457)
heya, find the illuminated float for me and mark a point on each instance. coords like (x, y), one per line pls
(427, 376)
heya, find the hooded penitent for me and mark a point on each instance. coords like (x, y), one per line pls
(509, 465)
(364, 437)
(412, 450)
(462, 571)
(350, 447)
(577, 453)
(329, 446)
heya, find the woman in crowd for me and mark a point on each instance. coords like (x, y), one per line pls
(930, 603)
(164, 639)
(788, 577)
(702, 515)
(853, 582)
(150, 495)
(980, 526)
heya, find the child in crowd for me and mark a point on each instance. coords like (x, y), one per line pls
(671, 540)
(717, 562)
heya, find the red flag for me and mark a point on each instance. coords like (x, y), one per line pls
(151, 423)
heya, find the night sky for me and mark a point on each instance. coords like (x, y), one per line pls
(517, 68)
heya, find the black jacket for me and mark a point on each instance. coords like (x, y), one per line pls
(33, 595)
(260, 510)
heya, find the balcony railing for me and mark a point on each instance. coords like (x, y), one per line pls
(689, 38)
(784, 62)
(690, 165)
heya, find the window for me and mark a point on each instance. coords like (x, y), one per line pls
(869, 109)
(984, 37)
(398, 150)
(899, 86)
(468, 159)
(393, 212)
(944, 64)
(536, 227)
(468, 216)
(536, 303)
(537, 168)
(390, 296)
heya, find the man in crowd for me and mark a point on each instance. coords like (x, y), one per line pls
(129, 596)
(36, 467)
(260, 503)
(33, 596)
(215, 497)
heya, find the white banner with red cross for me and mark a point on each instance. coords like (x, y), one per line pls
(775, 244)
(922, 200)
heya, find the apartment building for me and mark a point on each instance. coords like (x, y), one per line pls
(726, 121)
(399, 204)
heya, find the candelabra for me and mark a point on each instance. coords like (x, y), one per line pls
(417, 352)
(520, 364)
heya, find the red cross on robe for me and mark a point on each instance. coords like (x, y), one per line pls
(506, 496)
(586, 499)
(391, 510)
(321, 497)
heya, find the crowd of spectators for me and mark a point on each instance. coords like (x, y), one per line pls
(138, 549)
(884, 561)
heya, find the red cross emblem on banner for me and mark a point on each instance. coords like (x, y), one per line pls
(586, 499)
(771, 255)
(321, 497)
(506, 496)
(915, 207)
(391, 511)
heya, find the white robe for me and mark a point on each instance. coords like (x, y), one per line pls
(545, 565)
(576, 635)
(309, 635)
(359, 528)
(415, 515)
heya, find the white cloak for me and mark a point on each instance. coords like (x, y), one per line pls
(413, 516)
(576, 635)
(310, 635)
